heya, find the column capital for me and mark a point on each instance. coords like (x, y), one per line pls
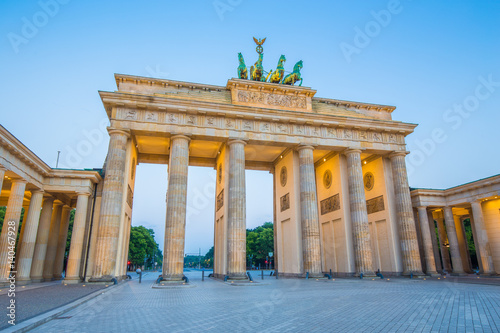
(398, 153)
(301, 147)
(87, 194)
(122, 131)
(350, 151)
(231, 141)
(180, 136)
(19, 180)
(66, 207)
(37, 191)
(58, 202)
(422, 207)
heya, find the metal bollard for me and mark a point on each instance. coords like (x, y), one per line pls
(203, 275)
(262, 274)
(140, 277)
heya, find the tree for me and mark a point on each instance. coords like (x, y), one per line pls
(260, 241)
(208, 260)
(143, 247)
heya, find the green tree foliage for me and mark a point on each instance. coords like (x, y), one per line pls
(143, 246)
(70, 231)
(260, 241)
(208, 260)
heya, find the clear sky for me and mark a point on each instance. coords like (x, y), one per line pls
(436, 61)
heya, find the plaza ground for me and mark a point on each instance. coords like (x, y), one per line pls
(290, 305)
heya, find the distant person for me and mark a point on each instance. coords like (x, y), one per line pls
(138, 271)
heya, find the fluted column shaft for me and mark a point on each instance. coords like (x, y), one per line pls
(443, 241)
(25, 257)
(61, 243)
(9, 228)
(2, 175)
(481, 240)
(456, 258)
(406, 223)
(42, 238)
(435, 247)
(50, 255)
(77, 237)
(359, 216)
(309, 212)
(111, 207)
(427, 241)
(236, 227)
(175, 222)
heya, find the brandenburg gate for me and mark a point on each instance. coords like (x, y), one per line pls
(341, 195)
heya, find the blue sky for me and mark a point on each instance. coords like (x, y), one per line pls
(436, 61)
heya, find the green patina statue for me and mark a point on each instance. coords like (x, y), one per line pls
(293, 77)
(257, 71)
(277, 75)
(242, 68)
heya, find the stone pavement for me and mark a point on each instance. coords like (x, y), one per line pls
(343, 305)
(36, 299)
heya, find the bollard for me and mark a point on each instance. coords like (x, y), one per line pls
(262, 274)
(140, 277)
(203, 275)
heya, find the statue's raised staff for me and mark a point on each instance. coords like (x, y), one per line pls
(242, 68)
(293, 77)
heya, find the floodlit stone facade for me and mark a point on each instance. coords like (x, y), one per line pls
(342, 203)
(477, 201)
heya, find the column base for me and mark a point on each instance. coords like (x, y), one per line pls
(48, 279)
(57, 278)
(366, 274)
(102, 279)
(237, 276)
(314, 275)
(418, 274)
(172, 277)
(36, 279)
(459, 274)
(433, 274)
(23, 282)
(72, 281)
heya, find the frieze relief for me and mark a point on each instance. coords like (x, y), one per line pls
(285, 101)
(262, 126)
(375, 205)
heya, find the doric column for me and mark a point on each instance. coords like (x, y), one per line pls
(111, 203)
(309, 212)
(451, 231)
(427, 241)
(9, 228)
(481, 238)
(435, 247)
(404, 210)
(21, 234)
(236, 227)
(444, 245)
(50, 255)
(25, 256)
(359, 216)
(77, 237)
(61, 243)
(2, 175)
(175, 222)
(42, 238)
